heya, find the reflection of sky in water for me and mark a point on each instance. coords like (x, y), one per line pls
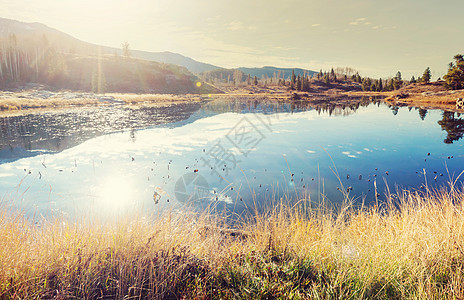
(117, 172)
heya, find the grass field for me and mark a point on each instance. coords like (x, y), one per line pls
(411, 247)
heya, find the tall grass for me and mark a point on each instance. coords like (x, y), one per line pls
(412, 246)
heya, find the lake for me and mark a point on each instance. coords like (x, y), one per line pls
(238, 155)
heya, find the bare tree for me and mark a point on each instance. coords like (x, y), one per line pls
(125, 49)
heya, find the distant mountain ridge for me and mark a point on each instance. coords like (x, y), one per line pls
(175, 59)
(62, 41)
(67, 43)
(271, 72)
(35, 53)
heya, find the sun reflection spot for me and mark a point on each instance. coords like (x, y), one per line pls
(115, 193)
(198, 83)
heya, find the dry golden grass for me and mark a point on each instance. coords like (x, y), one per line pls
(411, 247)
(441, 100)
(26, 102)
(17, 103)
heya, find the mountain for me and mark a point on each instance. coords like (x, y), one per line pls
(272, 72)
(64, 42)
(175, 59)
(35, 53)
(221, 75)
(8, 27)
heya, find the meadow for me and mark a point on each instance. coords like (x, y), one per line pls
(408, 247)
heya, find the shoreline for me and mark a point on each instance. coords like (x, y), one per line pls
(39, 101)
(441, 100)
(291, 252)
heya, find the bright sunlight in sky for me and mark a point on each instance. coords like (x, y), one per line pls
(376, 37)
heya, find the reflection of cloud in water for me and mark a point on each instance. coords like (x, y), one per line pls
(6, 174)
(347, 153)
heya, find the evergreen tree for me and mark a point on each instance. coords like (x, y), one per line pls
(365, 85)
(422, 113)
(255, 81)
(298, 83)
(380, 86)
(293, 77)
(455, 76)
(390, 86)
(397, 81)
(426, 76)
(413, 79)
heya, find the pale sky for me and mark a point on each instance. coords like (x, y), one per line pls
(376, 37)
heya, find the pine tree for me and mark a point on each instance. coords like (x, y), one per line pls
(293, 77)
(455, 76)
(397, 81)
(365, 85)
(326, 79)
(426, 76)
(298, 83)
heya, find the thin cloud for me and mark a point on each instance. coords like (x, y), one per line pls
(235, 26)
(359, 21)
(316, 25)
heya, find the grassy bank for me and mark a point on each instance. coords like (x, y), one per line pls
(431, 95)
(33, 101)
(414, 249)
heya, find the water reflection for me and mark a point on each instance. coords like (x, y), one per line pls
(453, 125)
(245, 152)
(56, 131)
(422, 113)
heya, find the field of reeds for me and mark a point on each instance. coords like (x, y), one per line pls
(34, 100)
(409, 247)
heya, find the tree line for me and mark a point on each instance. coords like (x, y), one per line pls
(31, 61)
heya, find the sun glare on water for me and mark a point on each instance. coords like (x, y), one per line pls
(114, 194)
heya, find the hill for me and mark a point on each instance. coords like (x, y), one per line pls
(67, 43)
(236, 76)
(35, 53)
(432, 95)
(175, 59)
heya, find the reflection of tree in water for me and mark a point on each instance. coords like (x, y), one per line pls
(325, 105)
(57, 131)
(335, 108)
(422, 113)
(453, 125)
(394, 110)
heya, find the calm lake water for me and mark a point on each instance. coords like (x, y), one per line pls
(237, 155)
